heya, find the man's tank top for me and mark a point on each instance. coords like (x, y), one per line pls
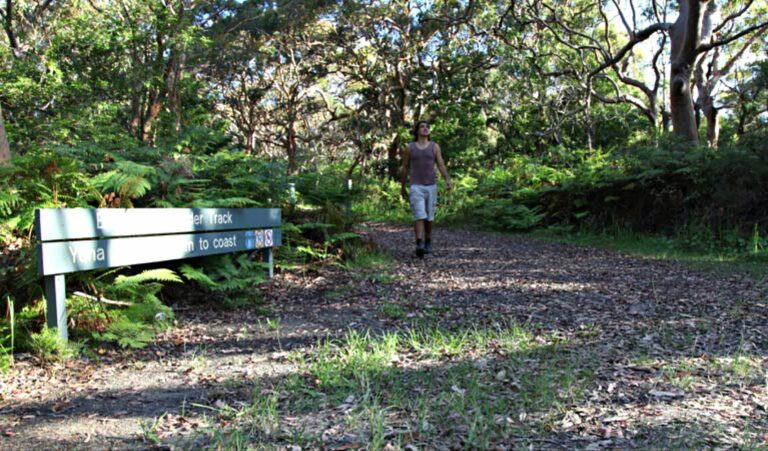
(422, 164)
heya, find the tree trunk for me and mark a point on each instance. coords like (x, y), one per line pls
(685, 38)
(290, 147)
(250, 142)
(5, 149)
(393, 164)
(713, 125)
(666, 117)
(153, 110)
(741, 114)
(134, 125)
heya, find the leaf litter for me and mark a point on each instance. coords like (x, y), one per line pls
(674, 356)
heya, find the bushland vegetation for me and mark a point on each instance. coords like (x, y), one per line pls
(563, 118)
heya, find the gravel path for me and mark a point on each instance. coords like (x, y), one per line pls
(615, 307)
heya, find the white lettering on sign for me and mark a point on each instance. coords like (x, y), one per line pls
(195, 219)
(114, 219)
(88, 256)
(222, 243)
(215, 218)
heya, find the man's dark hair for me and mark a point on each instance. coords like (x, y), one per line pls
(416, 130)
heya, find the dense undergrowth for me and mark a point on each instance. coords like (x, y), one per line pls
(127, 306)
(696, 201)
(681, 200)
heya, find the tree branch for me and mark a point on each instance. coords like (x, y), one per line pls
(732, 16)
(705, 47)
(102, 300)
(638, 38)
(8, 26)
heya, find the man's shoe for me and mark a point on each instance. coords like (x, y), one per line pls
(420, 251)
(428, 247)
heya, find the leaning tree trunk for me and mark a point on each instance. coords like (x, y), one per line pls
(713, 125)
(685, 38)
(5, 149)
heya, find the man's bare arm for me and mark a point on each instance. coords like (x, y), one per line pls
(441, 167)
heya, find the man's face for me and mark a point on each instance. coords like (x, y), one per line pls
(423, 129)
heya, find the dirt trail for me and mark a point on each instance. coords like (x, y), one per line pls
(621, 305)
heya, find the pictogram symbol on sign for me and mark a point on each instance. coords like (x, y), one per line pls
(268, 241)
(259, 238)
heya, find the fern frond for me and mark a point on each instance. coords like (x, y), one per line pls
(133, 186)
(289, 227)
(235, 202)
(197, 275)
(342, 237)
(314, 225)
(158, 275)
(9, 199)
(162, 203)
(131, 180)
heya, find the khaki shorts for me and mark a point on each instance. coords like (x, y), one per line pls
(423, 201)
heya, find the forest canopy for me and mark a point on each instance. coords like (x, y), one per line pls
(317, 81)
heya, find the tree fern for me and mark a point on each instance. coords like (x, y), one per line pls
(130, 180)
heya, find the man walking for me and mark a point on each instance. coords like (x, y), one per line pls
(419, 160)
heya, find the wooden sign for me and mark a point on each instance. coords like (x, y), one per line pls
(81, 239)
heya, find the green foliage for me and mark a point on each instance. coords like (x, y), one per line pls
(136, 326)
(232, 274)
(127, 333)
(129, 181)
(326, 186)
(197, 275)
(7, 337)
(48, 346)
(159, 275)
(41, 179)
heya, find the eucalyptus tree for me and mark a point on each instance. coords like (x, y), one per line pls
(290, 108)
(717, 63)
(550, 70)
(386, 49)
(28, 70)
(747, 97)
(26, 24)
(158, 36)
(267, 66)
(688, 38)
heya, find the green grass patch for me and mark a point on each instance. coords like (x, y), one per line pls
(370, 261)
(722, 260)
(374, 266)
(422, 386)
(393, 311)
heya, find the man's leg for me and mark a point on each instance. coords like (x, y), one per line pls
(431, 203)
(420, 238)
(418, 207)
(419, 227)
